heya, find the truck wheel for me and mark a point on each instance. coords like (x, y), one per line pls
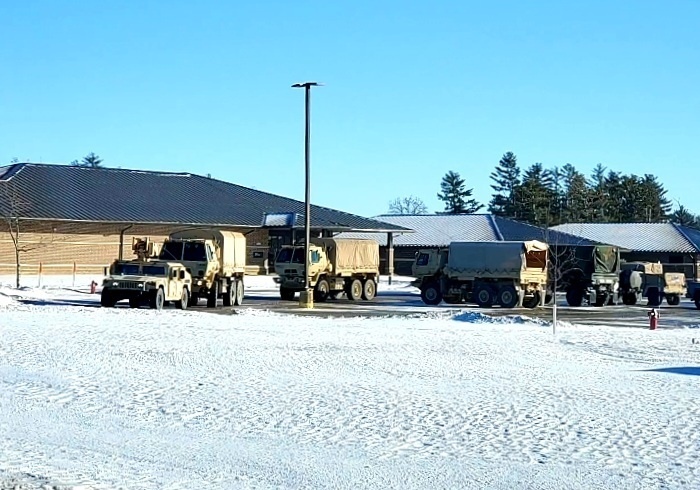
(483, 296)
(673, 300)
(158, 299)
(508, 297)
(629, 299)
(106, 299)
(230, 293)
(287, 294)
(431, 294)
(354, 291)
(213, 295)
(193, 301)
(369, 290)
(533, 301)
(184, 299)
(321, 291)
(240, 293)
(653, 297)
(601, 300)
(574, 297)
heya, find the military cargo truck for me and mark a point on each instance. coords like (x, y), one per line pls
(509, 274)
(337, 265)
(647, 280)
(592, 275)
(215, 258)
(151, 283)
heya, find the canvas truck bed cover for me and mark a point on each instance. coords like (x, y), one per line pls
(359, 255)
(606, 260)
(232, 244)
(490, 259)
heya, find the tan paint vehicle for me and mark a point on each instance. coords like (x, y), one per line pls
(509, 274)
(215, 258)
(151, 283)
(337, 265)
(647, 280)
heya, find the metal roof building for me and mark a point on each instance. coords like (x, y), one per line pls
(438, 230)
(80, 219)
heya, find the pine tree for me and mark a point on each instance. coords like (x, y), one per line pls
(506, 179)
(682, 216)
(577, 196)
(90, 160)
(533, 197)
(456, 196)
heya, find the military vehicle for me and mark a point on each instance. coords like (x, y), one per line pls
(151, 283)
(647, 280)
(507, 273)
(215, 258)
(337, 265)
(592, 275)
(693, 292)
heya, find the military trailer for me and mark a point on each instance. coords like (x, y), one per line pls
(151, 283)
(337, 265)
(592, 275)
(215, 258)
(507, 273)
(647, 280)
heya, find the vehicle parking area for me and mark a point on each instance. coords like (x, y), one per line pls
(410, 304)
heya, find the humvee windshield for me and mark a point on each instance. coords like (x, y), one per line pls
(287, 255)
(171, 251)
(153, 270)
(127, 269)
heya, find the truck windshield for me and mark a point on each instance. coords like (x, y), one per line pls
(287, 255)
(153, 270)
(195, 251)
(171, 251)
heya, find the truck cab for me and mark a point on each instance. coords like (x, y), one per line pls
(428, 262)
(289, 266)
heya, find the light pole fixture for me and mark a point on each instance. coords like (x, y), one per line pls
(306, 296)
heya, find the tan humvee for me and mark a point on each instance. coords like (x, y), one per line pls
(151, 283)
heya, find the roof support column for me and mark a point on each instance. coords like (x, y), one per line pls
(390, 255)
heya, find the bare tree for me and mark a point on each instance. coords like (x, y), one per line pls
(407, 205)
(13, 208)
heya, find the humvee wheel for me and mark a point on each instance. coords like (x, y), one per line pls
(158, 299)
(240, 293)
(230, 293)
(508, 297)
(106, 299)
(321, 290)
(369, 290)
(184, 301)
(673, 299)
(431, 294)
(354, 291)
(213, 294)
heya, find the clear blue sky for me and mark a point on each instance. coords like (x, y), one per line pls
(413, 89)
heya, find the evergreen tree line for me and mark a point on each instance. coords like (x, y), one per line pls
(551, 196)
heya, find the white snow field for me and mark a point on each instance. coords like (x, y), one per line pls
(143, 399)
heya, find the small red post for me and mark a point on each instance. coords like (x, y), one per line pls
(93, 287)
(653, 315)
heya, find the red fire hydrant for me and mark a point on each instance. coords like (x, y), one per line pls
(653, 315)
(93, 287)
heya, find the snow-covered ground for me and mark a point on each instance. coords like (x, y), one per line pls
(120, 398)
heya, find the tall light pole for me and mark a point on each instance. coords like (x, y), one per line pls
(306, 297)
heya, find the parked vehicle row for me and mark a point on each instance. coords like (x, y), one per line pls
(210, 264)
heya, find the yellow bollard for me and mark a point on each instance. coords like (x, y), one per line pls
(306, 298)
